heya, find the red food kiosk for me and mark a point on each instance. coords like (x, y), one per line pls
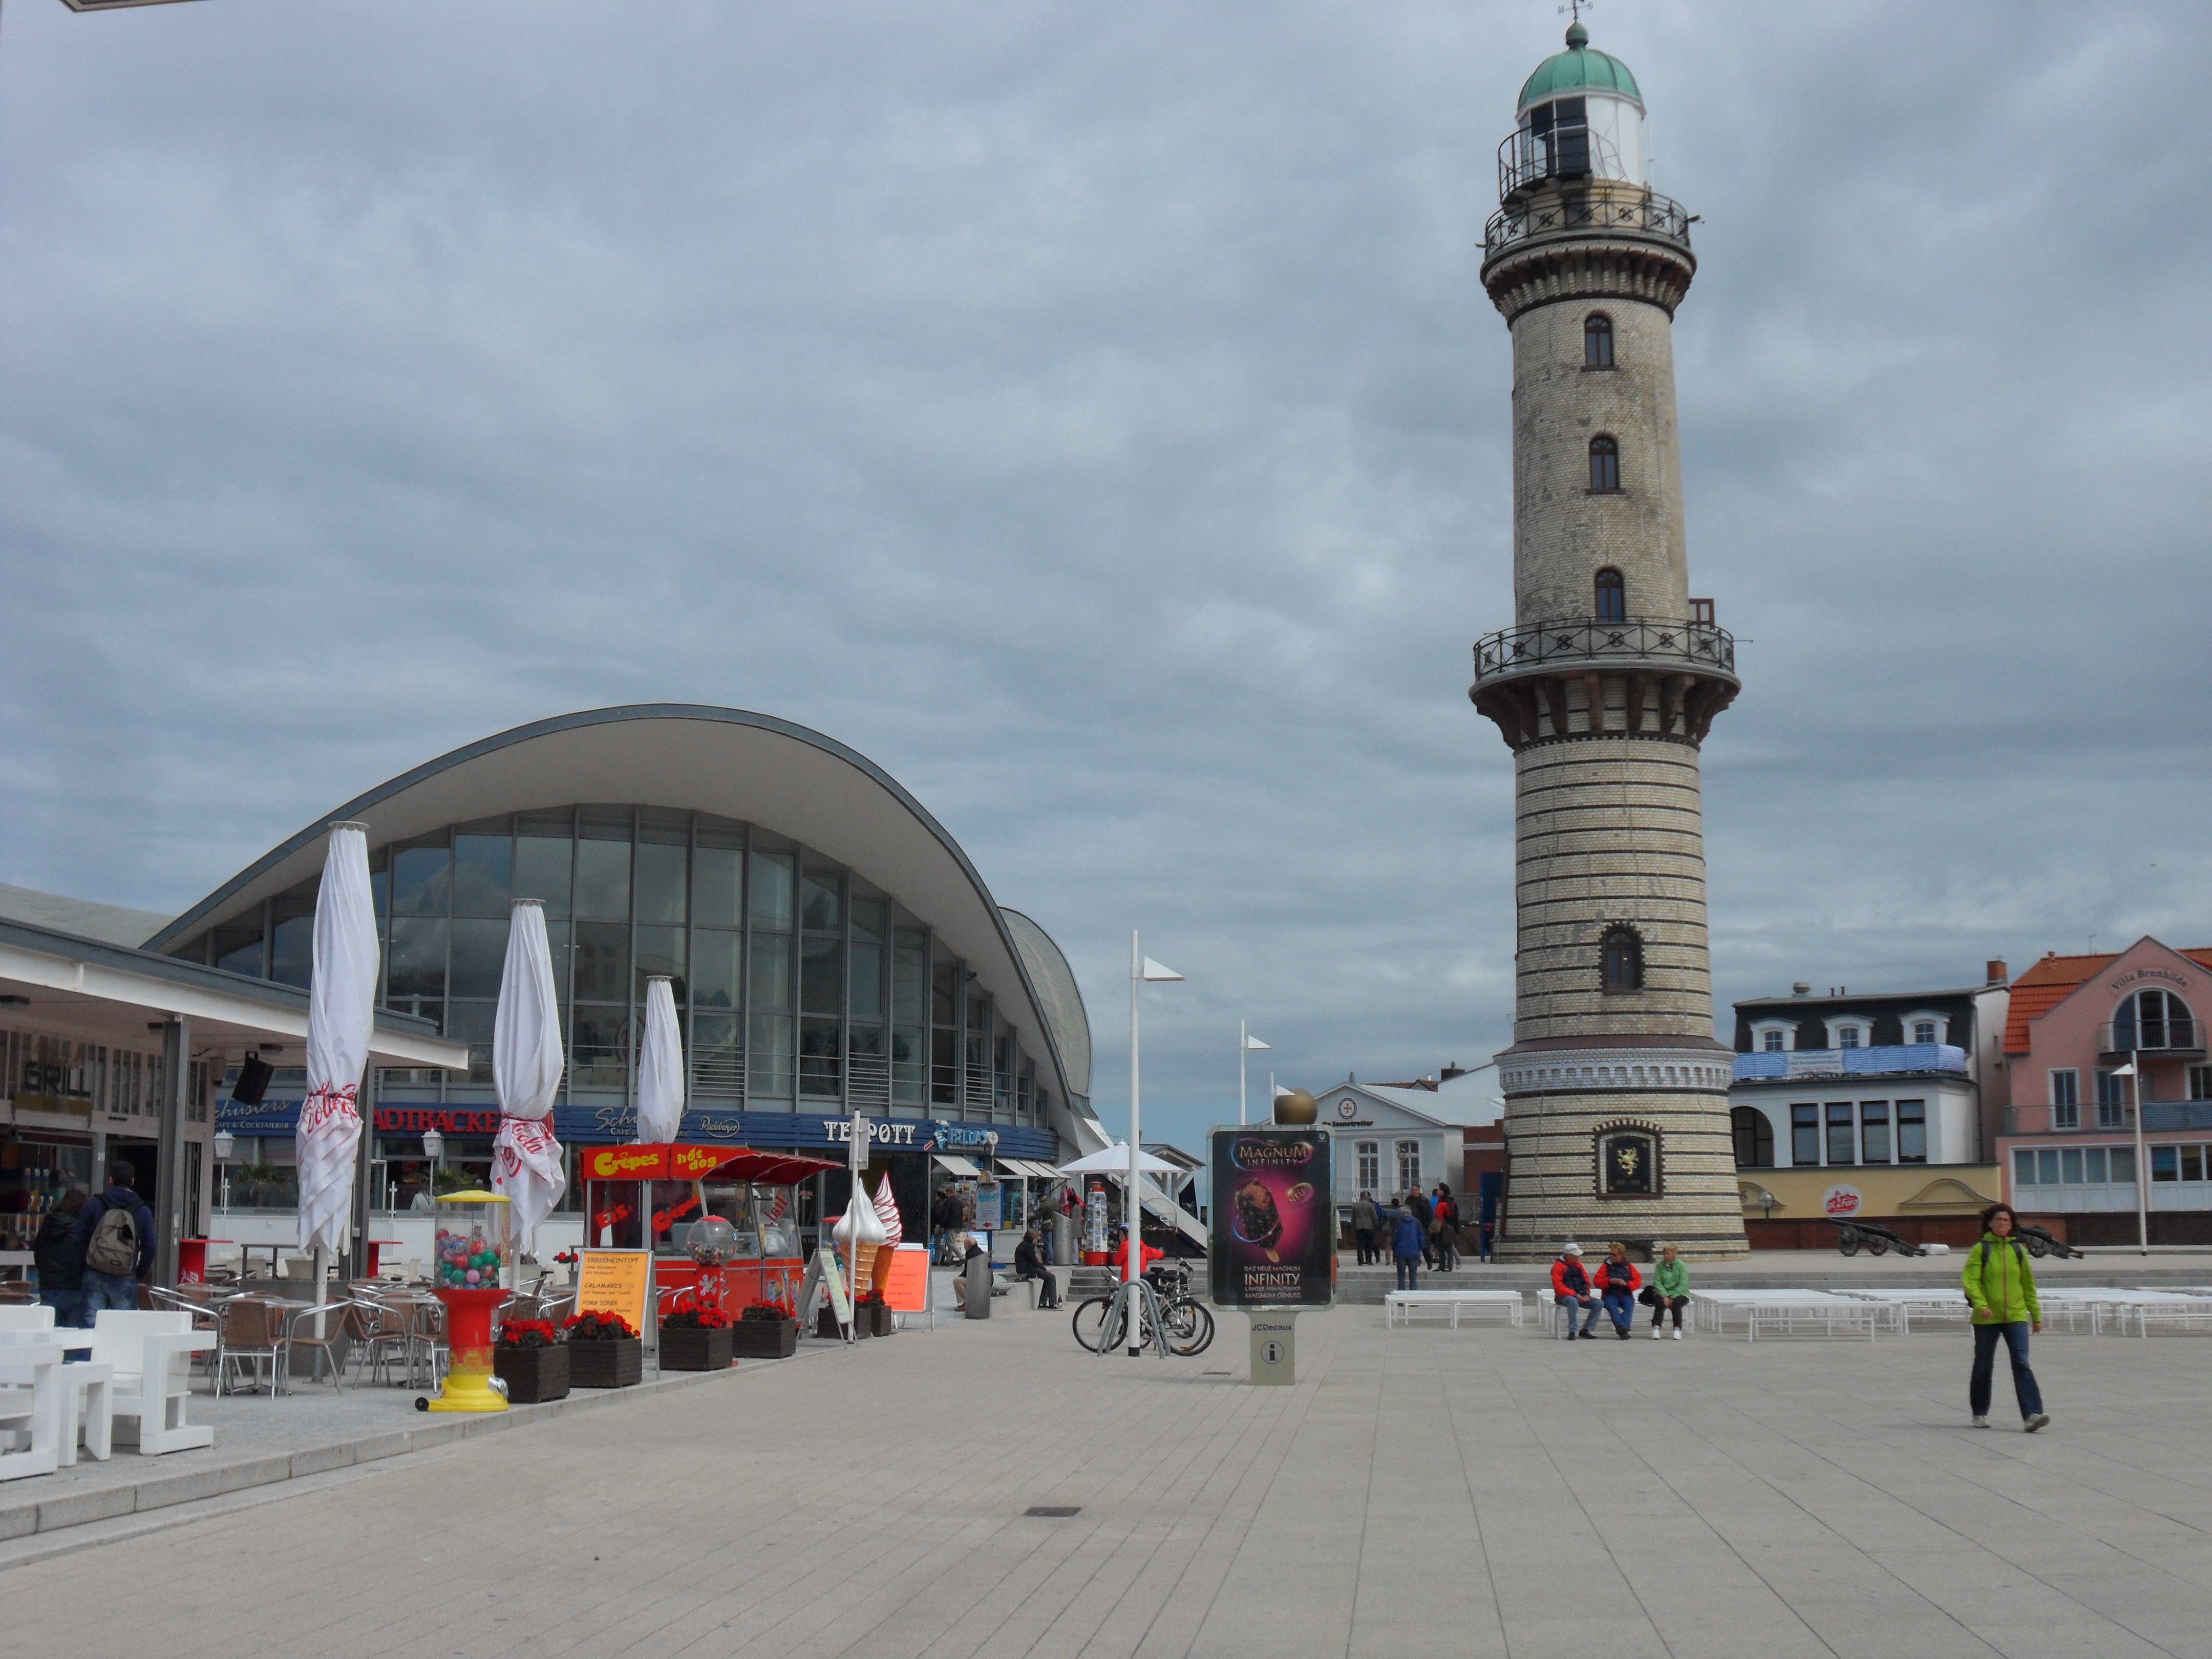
(645, 1197)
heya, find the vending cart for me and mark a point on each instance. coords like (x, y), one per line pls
(647, 1197)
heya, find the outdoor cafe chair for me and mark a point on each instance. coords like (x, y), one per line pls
(252, 1335)
(385, 1333)
(326, 1348)
(148, 1354)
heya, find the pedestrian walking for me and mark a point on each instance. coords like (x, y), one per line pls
(1445, 1233)
(1425, 1213)
(2001, 1286)
(1365, 1218)
(1570, 1289)
(1670, 1289)
(116, 1233)
(1617, 1279)
(60, 1259)
(1407, 1235)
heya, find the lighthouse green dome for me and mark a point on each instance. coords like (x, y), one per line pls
(1578, 70)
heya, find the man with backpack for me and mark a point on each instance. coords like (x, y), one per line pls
(116, 1233)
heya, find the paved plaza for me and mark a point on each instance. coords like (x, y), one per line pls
(1482, 1490)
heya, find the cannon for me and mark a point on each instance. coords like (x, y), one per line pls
(2040, 1242)
(1876, 1239)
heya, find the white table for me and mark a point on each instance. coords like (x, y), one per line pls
(88, 1406)
(1400, 1307)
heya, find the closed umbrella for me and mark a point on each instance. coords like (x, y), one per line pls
(341, 1015)
(526, 1070)
(660, 1067)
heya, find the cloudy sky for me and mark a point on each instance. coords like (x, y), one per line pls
(1092, 414)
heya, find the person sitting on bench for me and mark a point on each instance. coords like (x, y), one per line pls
(1028, 1263)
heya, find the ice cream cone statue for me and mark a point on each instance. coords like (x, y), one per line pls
(887, 1212)
(860, 1233)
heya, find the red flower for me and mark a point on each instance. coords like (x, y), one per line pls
(527, 1334)
(597, 1328)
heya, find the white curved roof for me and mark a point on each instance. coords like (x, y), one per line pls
(729, 762)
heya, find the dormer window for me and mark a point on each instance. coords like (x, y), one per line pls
(1925, 1025)
(1771, 1041)
(1847, 1036)
(1612, 595)
(1597, 341)
(1848, 1032)
(1773, 1036)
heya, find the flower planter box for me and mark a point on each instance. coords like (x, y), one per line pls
(764, 1338)
(601, 1364)
(825, 1324)
(683, 1350)
(874, 1319)
(532, 1376)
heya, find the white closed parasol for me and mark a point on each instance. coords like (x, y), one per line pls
(525, 1069)
(659, 1067)
(341, 1015)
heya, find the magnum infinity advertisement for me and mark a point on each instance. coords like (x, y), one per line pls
(1274, 1232)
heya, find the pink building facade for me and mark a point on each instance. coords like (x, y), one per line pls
(2069, 1141)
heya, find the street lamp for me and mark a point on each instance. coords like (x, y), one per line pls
(1141, 968)
(225, 1143)
(433, 1148)
(2133, 1069)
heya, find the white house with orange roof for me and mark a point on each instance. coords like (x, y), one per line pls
(2068, 1141)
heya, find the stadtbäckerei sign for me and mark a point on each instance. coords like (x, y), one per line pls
(1272, 1242)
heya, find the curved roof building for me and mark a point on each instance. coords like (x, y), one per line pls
(831, 946)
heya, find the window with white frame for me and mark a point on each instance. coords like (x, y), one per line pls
(1773, 1036)
(2091, 1166)
(1924, 1025)
(1409, 1165)
(2065, 1098)
(1848, 1032)
(1370, 1165)
(1911, 1131)
(2112, 1100)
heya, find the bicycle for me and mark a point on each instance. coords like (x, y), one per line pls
(1100, 1324)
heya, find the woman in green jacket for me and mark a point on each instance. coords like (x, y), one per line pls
(1670, 1288)
(2001, 1287)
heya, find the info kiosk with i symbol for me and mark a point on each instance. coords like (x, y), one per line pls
(1272, 1253)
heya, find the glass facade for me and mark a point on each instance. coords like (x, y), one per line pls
(799, 985)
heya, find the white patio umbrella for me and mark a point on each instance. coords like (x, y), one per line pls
(1115, 1160)
(341, 1016)
(659, 1067)
(526, 1070)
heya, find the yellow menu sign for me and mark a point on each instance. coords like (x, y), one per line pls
(615, 1282)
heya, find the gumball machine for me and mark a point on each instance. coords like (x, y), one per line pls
(711, 1242)
(472, 1258)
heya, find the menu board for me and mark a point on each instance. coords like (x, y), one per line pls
(907, 1291)
(615, 1282)
(1273, 1231)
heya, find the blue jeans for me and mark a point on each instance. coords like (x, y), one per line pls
(1568, 1304)
(107, 1291)
(68, 1306)
(1620, 1308)
(1985, 1359)
(1409, 1272)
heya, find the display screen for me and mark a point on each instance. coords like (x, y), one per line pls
(1273, 1243)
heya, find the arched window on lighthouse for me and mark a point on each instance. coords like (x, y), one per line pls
(1597, 341)
(1622, 953)
(1604, 466)
(1612, 595)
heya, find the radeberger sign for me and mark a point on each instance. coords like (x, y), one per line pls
(1273, 1238)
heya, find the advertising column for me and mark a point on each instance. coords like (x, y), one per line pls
(1271, 1250)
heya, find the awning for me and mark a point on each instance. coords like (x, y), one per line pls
(1036, 1170)
(952, 1163)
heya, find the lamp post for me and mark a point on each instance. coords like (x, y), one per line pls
(1141, 968)
(225, 1143)
(2133, 1071)
(1245, 1043)
(433, 1148)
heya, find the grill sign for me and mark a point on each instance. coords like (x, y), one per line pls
(1273, 1230)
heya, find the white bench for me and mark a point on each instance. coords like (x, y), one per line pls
(1794, 1313)
(1400, 1307)
(1920, 1304)
(151, 1356)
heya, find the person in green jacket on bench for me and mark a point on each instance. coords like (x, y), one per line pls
(1670, 1288)
(2001, 1287)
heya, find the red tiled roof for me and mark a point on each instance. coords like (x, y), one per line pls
(2051, 981)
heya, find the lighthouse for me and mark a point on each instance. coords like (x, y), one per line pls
(1604, 688)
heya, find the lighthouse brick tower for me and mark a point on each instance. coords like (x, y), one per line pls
(1616, 1092)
